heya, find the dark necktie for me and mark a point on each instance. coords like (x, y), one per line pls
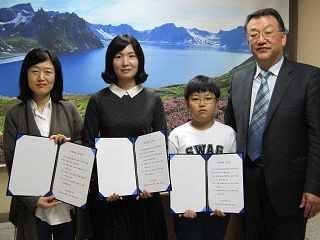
(258, 119)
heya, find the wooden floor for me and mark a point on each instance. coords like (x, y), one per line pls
(7, 230)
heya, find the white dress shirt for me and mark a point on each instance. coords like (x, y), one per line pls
(60, 213)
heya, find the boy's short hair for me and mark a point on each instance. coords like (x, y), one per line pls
(201, 83)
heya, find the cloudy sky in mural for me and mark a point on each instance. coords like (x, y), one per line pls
(211, 15)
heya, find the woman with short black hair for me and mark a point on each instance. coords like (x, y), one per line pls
(41, 112)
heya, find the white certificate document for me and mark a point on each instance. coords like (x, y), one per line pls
(115, 166)
(41, 167)
(73, 174)
(152, 162)
(32, 166)
(188, 183)
(206, 185)
(225, 183)
(126, 167)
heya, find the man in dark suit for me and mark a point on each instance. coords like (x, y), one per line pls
(274, 106)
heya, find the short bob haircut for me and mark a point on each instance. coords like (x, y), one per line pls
(35, 56)
(266, 12)
(201, 83)
(117, 44)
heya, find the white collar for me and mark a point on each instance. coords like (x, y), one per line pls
(132, 92)
(34, 105)
(274, 69)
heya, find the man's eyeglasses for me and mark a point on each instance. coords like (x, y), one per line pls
(205, 100)
(266, 34)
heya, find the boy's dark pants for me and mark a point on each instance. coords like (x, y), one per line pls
(203, 227)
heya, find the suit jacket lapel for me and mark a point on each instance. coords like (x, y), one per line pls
(53, 124)
(247, 83)
(280, 88)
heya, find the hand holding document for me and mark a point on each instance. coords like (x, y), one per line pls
(41, 167)
(130, 166)
(206, 183)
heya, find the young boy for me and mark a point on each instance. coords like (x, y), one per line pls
(201, 135)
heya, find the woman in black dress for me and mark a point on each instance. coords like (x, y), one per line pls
(124, 109)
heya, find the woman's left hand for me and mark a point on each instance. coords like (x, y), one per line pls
(144, 195)
(59, 138)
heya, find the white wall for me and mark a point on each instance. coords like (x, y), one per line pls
(308, 32)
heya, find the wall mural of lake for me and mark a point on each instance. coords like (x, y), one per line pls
(180, 40)
(165, 67)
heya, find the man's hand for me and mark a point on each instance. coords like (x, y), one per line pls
(311, 204)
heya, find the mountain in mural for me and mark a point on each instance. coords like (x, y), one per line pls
(61, 32)
(21, 28)
(169, 33)
(233, 40)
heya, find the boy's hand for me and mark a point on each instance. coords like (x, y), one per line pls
(217, 213)
(114, 197)
(189, 214)
(144, 195)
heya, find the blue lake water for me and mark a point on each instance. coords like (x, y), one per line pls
(165, 66)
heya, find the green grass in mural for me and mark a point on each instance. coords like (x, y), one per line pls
(21, 43)
(5, 105)
(80, 101)
(172, 91)
(223, 83)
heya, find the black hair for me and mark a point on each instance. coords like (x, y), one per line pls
(266, 12)
(201, 83)
(117, 44)
(35, 56)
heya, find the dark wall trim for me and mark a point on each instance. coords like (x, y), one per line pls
(292, 46)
